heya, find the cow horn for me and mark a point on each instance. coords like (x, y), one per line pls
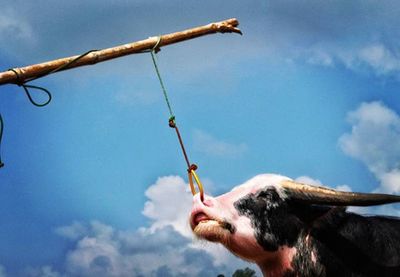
(326, 196)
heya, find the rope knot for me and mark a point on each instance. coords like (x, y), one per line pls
(192, 167)
(19, 81)
(171, 122)
(156, 48)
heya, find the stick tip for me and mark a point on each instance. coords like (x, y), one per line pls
(227, 26)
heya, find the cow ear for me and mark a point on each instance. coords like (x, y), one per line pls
(331, 218)
(318, 215)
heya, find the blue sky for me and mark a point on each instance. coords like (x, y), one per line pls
(94, 183)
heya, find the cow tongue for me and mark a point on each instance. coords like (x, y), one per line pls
(201, 217)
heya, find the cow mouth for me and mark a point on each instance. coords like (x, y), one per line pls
(201, 218)
(210, 228)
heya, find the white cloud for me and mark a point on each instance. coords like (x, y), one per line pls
(381, 59)
(165, 248)
(165, 212)
(375, 57)
(208, 144)
(375, 141)
(96, 256)
(106, 251)
(390, 181)
(320, 57)
(73, 231)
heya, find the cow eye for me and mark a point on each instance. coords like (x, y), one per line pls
(269, 195)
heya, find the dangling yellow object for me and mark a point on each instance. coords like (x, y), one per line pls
(191, 174)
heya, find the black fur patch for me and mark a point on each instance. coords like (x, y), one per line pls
(354, 245)
(270, 218)
(343, 243)
(226, 225)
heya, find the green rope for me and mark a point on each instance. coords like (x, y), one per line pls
(153, 57)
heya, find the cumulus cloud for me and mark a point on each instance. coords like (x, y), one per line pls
(165, 248)
(106, 251)
(380, 58)
(159, 208)
(374, 137)
(73, 231)
(375, 140)
(208, 144)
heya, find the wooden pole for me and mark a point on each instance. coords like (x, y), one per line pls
(28, 72)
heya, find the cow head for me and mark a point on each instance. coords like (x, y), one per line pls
(263, 219)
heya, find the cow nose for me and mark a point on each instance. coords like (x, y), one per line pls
(208, 200)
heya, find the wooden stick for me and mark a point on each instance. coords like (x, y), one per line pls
(25, 73)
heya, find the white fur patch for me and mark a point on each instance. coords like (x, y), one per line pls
(263, 181)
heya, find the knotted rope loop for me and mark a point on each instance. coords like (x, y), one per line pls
(23, 83)
(26, 87)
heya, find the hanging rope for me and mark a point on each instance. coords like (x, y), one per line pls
(26, 88)
(153, 53)
(191, 168)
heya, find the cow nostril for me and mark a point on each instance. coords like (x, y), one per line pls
(207, 202)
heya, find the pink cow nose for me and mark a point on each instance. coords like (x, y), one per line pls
(208, 200)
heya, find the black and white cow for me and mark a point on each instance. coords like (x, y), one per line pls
(292, 229)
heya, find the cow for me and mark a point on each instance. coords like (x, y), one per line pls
(293, 229)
